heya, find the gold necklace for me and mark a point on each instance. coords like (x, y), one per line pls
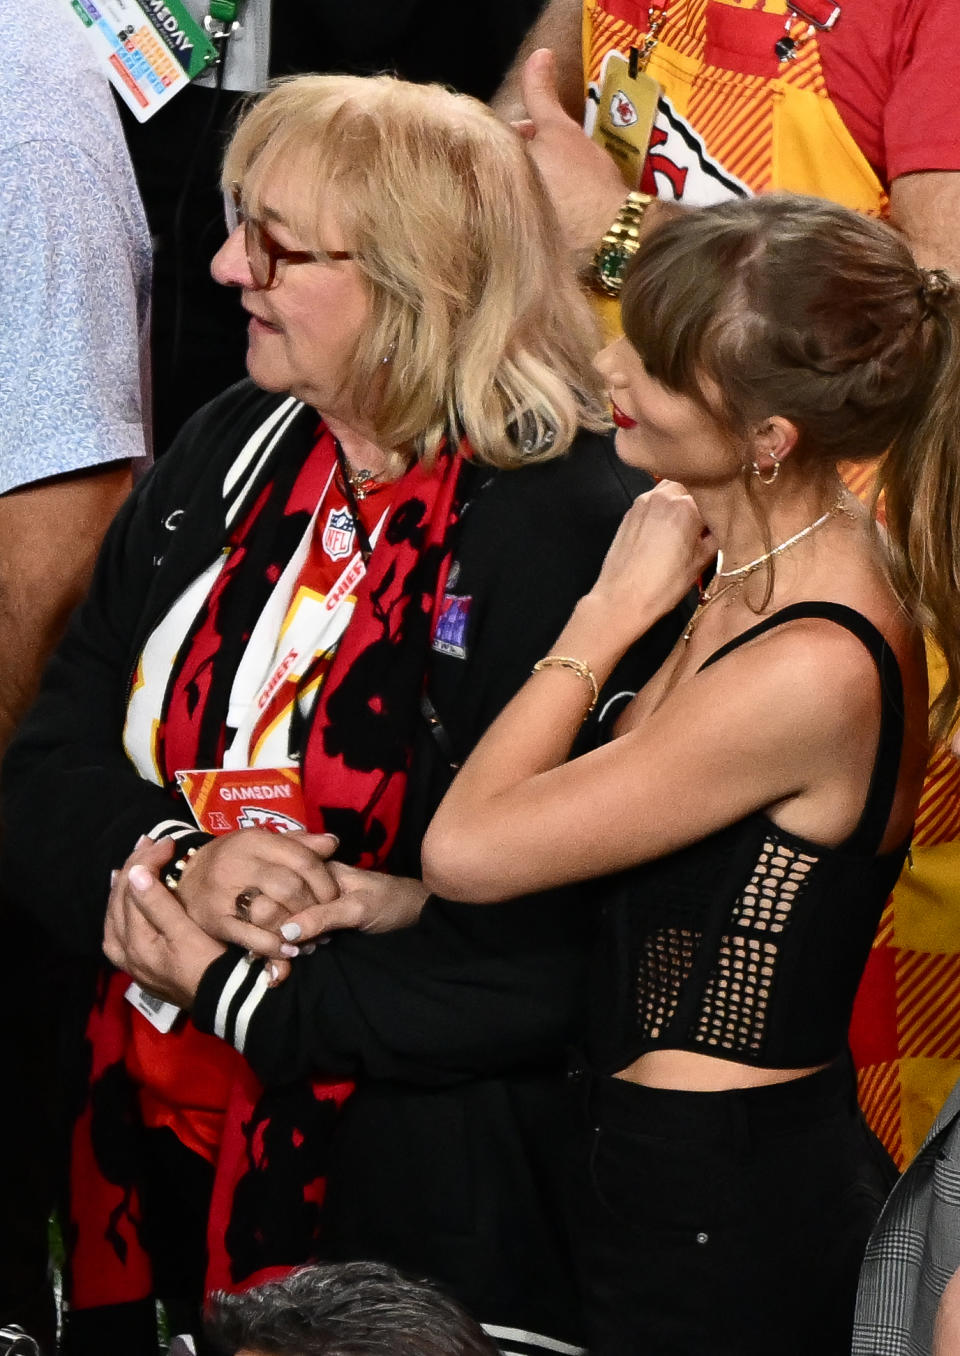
(739, 576)
(360, 482)
(706, 599)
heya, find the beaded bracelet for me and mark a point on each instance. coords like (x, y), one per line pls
(171, 877)
(577, 666)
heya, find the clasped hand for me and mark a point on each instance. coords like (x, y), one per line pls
(290, 893)
(661, 548)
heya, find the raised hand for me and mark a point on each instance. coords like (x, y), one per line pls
(581, 178)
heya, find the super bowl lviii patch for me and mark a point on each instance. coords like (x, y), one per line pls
(450, 632)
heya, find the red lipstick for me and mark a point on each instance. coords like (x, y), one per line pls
(620, 419)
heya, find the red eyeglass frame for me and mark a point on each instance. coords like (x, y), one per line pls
(261, 247)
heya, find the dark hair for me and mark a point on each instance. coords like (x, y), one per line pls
(797, 307)
(350, 1309)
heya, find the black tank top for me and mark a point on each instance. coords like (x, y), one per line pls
(749, 944)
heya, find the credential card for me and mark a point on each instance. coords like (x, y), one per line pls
(149, 49)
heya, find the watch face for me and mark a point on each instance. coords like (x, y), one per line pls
(610, 265)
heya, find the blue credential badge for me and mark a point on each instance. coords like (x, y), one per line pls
(449, 636)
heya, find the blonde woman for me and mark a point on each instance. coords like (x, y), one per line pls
(336, 577)
(759, 796)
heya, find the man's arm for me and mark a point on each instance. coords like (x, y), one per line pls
(582, 179)
(926, 207)
(559, 27)
(50, 533)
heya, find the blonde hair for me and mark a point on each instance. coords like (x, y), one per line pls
(797, 307)
(474, 301)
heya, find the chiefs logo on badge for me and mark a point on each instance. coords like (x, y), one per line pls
(256, 817)
(338, 534)
(622, 111)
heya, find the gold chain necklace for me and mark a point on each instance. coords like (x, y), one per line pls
(739, 576)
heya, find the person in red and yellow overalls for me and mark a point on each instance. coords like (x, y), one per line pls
(853, 102)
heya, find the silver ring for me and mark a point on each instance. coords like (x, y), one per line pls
(242, 903)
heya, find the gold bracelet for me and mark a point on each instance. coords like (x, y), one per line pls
(577, 666)
(620, 243)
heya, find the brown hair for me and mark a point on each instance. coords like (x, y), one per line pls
(797, 307)
(473, 298)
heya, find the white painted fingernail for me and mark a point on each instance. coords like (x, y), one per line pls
(289, 951)
(274, 973)
(113, 878)
(290, 931)
(144, 838)
(140, 878)
(309, 949)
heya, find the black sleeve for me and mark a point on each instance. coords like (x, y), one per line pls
(468, 992)
(532, 543)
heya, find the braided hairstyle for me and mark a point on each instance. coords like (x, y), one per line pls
(794, 306)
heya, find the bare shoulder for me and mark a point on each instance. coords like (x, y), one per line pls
(810, 665)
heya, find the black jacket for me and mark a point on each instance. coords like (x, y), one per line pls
(469, 989)
(458, 1028)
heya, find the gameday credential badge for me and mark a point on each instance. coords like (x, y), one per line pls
(148, 49)
(627, 108)
(224, 799)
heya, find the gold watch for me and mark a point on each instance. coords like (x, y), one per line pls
(620, 243)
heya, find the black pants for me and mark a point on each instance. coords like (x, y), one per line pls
(729, 1223)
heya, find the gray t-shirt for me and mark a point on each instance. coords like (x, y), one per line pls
(74, 257)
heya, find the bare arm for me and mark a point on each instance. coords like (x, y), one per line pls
(50, 533)
(946, 1331)
(716, 749)
(559, 28)
(926, 207)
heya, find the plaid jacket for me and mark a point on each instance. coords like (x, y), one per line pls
(914, 1249)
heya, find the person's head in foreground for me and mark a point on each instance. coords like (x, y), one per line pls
(797, 335)
(353, 1309)
(443, 301)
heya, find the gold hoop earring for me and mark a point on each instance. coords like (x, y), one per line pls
(774, 472)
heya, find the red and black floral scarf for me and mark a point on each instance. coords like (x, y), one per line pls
(356, 751)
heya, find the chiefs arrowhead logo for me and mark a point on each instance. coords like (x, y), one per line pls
(622, 111)
(256, 817)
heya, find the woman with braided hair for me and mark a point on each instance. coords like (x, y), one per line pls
(758, 796)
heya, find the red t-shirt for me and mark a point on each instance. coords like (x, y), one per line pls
(889, 68)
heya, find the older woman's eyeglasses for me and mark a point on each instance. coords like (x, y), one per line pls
(262, 250)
